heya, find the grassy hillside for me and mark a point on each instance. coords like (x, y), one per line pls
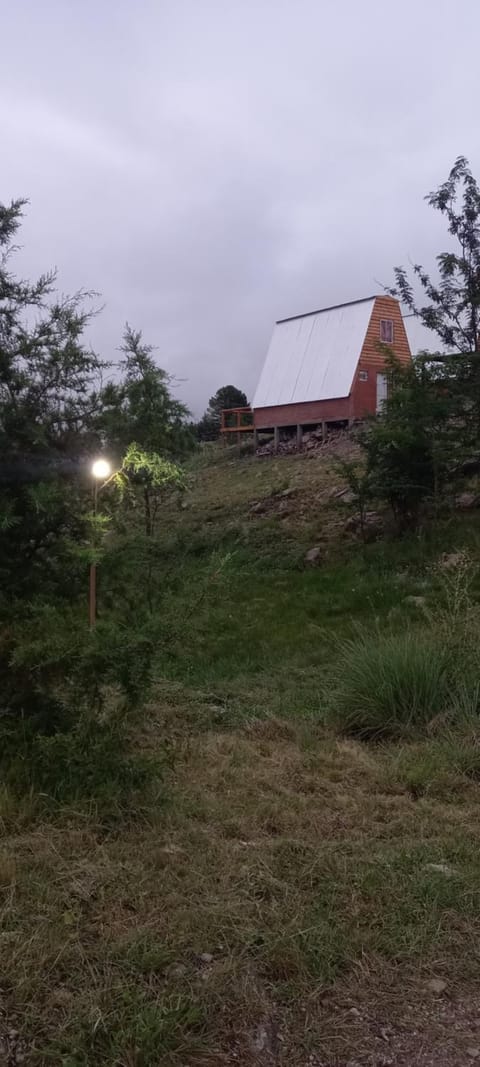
(298, 886)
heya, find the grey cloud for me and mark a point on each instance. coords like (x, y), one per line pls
(211, 166)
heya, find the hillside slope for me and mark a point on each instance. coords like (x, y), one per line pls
(291, 895)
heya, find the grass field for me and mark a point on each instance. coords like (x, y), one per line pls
(284, 893)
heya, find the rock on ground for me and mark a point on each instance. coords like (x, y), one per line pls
(313, 556)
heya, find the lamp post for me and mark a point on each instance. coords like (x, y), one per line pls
(100, 470)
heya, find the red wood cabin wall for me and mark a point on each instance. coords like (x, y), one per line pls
(372, 358)
(302, 414)
(362, 399)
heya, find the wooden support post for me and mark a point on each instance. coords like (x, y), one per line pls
(299, 438)
(276, 438)
(324, 431)
(255, 440)
(92, 596)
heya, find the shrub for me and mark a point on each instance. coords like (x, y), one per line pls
(388, 685)
(68, 703)
(91, 763)
(408, 450)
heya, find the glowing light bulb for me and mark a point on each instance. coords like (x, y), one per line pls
(101, 468)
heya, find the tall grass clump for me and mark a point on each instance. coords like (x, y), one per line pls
(390, 685)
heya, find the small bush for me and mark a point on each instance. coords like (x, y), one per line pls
(91, 764)
(389, 685)
(68, 710)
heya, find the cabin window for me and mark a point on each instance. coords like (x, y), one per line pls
(386, 331)
(363, 375)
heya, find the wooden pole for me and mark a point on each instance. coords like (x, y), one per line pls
(92, 586)
(92, 597)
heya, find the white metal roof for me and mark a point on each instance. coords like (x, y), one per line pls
(314, 356)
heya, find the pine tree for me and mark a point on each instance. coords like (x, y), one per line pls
(140, 407)
(47, 403)
(228, 396)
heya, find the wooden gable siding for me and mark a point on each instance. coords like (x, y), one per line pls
(372, 358)
(371, 355)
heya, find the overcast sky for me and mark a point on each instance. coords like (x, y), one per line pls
(210, 166)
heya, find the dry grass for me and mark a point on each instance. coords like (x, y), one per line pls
(286, 883)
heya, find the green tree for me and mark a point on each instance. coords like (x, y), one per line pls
(153, 475)
(48, 399)
(228, 396)
(409, 449)
(56, 675)
(140, 407)
(144, 428)
(453, 308)
(452, 305)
